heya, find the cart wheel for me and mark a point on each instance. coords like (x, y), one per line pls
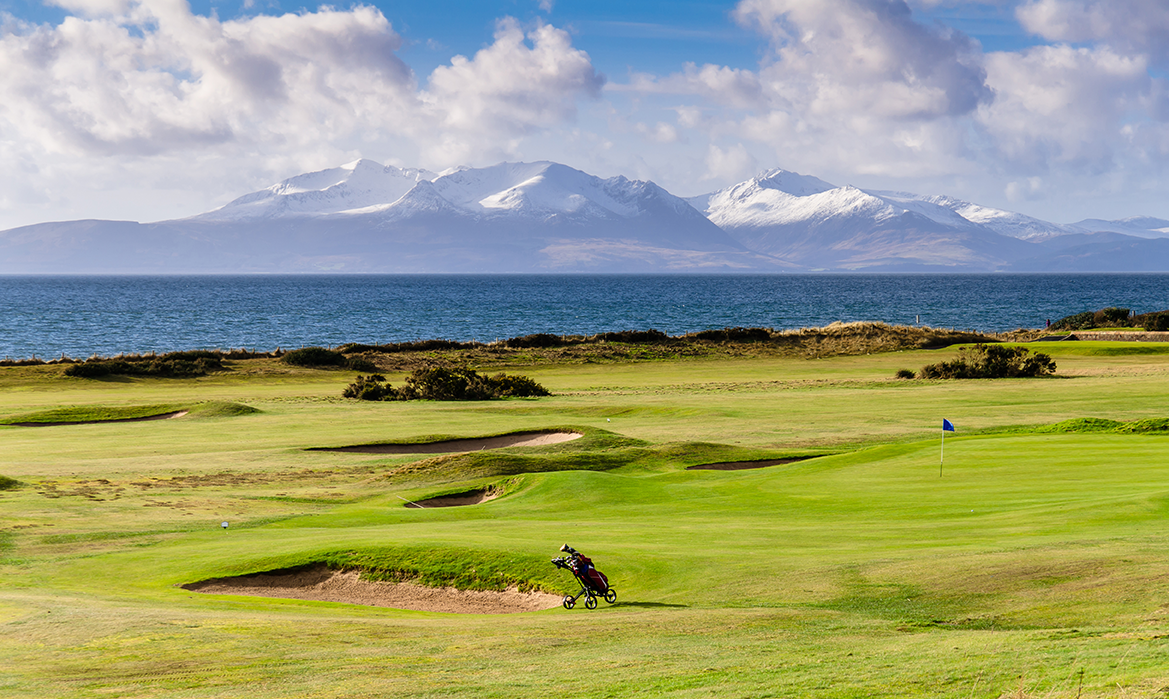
(590, 602)
(610, 595)
(568, 602)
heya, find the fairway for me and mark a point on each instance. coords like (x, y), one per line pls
(1033, 563)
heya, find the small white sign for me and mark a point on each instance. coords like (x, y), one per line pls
(224, 525)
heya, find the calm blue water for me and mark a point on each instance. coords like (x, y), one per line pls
(80, 316)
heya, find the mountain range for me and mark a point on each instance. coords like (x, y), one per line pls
(545, 217)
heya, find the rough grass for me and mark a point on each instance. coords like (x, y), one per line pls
(1097, 425)
(837, 339)
(1038, 555)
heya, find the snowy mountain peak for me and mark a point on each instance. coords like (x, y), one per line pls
(352, 187)
(792, 183)
(542, 188)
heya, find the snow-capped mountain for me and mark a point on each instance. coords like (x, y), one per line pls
(820, 226)
(1139, 226)
(351, 188)
(546, 217)
(365, 217)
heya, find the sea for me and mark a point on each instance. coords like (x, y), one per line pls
(83, 316)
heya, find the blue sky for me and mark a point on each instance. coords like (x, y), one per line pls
(153, 109)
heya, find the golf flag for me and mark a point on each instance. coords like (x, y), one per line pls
(947, 426)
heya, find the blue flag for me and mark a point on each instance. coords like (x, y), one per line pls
(947, 426)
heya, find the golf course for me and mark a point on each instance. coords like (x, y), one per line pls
(1026, 556)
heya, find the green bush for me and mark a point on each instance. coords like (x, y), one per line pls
(167, 365)
(735, 335)
(906, 374)
(636, 337)
(1155, 322)
(373, 387)
(1079, 321)
(441, 383)
(991, 362)
(313, 356)
(536, 340)
(1112, 317)
(321, 357)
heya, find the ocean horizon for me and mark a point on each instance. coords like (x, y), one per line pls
(81, 316)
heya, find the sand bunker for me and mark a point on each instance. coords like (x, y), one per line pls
(163, 416)
(519, 439)
(470, 497)
(744, 465)
(323, 584)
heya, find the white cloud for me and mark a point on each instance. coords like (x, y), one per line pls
(1025, 190)
(1058, 106)
(1130, 26)
(136, 88)
(158, 78)
(731, 165)
(509, 89)
(659, 133)
(864, 55)
(717, 84)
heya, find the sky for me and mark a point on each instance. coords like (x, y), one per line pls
(149, 110)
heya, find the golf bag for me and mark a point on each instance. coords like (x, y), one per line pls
(593, 583)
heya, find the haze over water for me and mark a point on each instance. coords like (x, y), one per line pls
(81, 316)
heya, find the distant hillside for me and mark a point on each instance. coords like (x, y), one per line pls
(544, 217)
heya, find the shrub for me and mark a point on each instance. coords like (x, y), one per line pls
(508, 386)
(441, 383)
(372, 388)
(991, 362)
(167, 365)
(906, 374)
(1155, 322)
(536, 340)
(1079, 321)
(313, 356)
(735, 335)
(635, 337)
(1111, 317)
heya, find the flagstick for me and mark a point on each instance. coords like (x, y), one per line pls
(942, 460)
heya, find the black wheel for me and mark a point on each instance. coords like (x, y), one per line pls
(610, 595)
(569, 602)
(590, 602)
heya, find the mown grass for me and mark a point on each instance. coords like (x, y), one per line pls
(1038, 554)
(100, 413)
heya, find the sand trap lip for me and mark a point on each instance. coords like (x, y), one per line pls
(745, 465)
(149, 418)
(518, 439)
(476, 496)
(322, 584)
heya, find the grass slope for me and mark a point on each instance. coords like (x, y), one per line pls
(1034, 565)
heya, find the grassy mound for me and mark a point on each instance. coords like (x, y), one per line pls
(465, 569)
(1094, 424)
(100, 413)
(93, 413)
(217, 408)
(597, 451)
